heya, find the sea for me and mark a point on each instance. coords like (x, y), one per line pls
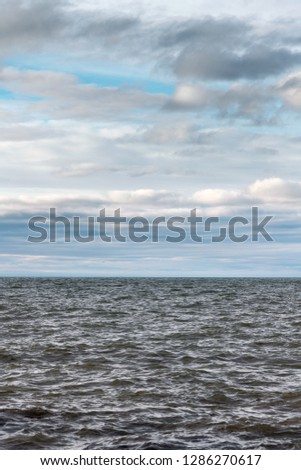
(150, 363)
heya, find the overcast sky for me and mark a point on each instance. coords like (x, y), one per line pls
(155, 108)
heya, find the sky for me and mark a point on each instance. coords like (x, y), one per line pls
(155, 108)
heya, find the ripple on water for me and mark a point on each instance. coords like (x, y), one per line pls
(150, 364)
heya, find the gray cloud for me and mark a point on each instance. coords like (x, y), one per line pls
(64, 97)
(108, 29)
(206, 31)
(213, 63)
(28, 24)
(208, 48)
(34, 25)
(252, 102)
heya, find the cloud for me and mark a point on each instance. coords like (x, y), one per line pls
(80, 169)
(270, 192)
(257, 62)
(28, 132)
(165, 151)
(62, 96)
(208, 48)
(207, 30)
(276, 190)
(213, 197)
(85, 203)
(165, 133)
(190, 97)
(110, 30)
(22, 23)
(240, 101)
(155, 113)
(289, 89)
(35, 25)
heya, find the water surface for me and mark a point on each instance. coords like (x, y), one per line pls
(150, 364)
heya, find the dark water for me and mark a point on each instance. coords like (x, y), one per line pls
(150, 364)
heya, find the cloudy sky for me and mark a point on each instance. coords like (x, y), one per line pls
(155, 108)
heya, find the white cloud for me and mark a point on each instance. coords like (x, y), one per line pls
(267, 193)
(290, 89)
(187, 95)
(213, 197)
(276, 190)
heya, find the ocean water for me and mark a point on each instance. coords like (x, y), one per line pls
(150, 364)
